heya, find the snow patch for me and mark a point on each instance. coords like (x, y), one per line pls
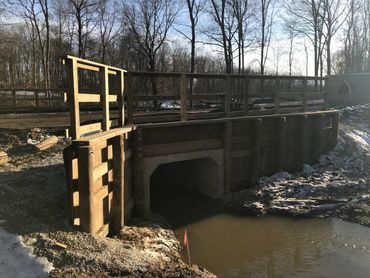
(17, 260)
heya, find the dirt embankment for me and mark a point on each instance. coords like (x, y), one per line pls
(33, 205)
(338, 186)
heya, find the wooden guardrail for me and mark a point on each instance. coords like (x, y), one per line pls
(200, 96)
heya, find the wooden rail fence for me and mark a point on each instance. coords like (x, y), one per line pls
(18, 100)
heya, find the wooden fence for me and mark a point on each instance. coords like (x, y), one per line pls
(20, 100)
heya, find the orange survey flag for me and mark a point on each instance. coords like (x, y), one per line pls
(186, 237)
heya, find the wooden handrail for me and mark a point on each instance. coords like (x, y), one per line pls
(219, 75)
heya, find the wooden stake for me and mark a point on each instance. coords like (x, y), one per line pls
(186, 243)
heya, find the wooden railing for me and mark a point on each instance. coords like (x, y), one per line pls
(199, 96)
(159, 97)
(17, 100)
(104, 97)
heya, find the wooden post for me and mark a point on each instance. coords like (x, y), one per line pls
(14, 101)
(334, 126)
(104, 91)
(227, 96)
(277, 95)
(130, 97)
(246, 95)
(304, 101)
(138, 168)
(70, 159)
(118, 219)
(304, 132)
(256, 150)
(281, 143)
(183, 97)
(120, 98)
(325, 97)
(36, 101)
(86, 179)
(227, 155)
(319, 136)
(72, 91)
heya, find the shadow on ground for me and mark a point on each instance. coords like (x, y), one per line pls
(34, 199)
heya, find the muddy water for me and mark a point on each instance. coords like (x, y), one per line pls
(235, 246)
(232, 245)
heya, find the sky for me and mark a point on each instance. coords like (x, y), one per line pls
(279, 47)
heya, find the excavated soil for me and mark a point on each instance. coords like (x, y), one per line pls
(33, 205)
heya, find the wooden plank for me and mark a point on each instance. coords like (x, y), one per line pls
(304, 135)
(227, 96)
(129, 93)
(142, 200)
(87, 67)
(227, 156)
(281, 142)
(88, 128)
(256, 154)
(120, 99)
(105, 135)
(304, 102)
(36, 101)
(319, 136)
(207, 97)
(184, 102)
(47, 143)
(101, 170)
(153, 98)
(88, 98)
(181, 147)
(14, 101)
(118, 214)
(3, 157)
(246, 95)
(85, 176)
(104, 90)
(277, 95)
(87, 62)
(241, 153)
(72, 90)
(335, 124)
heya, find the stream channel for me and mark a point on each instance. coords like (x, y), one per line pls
(233, 245)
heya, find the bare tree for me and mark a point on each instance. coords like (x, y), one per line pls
(149, 22)
(107, 28)
(268, 13)
(334, 16)
(222, 34)
(242, 13)
(84, 12)
(309, 15)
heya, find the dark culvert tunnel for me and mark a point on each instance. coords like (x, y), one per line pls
(181, 191)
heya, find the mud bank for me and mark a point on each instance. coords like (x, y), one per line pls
(33, 206)
(337, 186)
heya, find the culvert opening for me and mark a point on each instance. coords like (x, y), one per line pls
(184, 191)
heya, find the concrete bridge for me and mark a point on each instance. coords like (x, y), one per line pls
(217, 141)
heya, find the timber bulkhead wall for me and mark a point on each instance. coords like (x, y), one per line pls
(250, 147)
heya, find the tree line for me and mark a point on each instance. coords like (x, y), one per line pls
(219, 36)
